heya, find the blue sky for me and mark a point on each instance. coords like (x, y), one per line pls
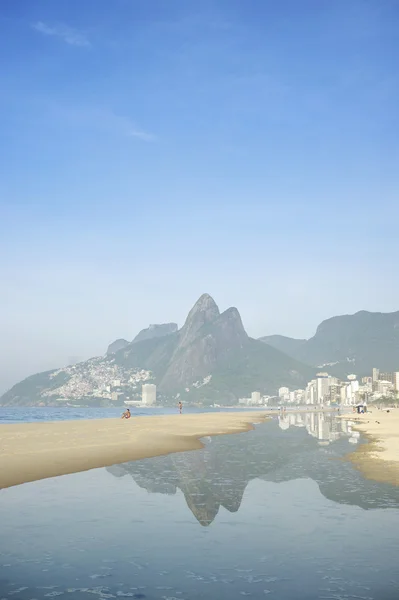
(154, 150)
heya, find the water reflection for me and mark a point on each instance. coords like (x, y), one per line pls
(323, 426)
(132, 535)
(218, 475)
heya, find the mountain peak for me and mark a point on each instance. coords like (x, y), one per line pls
(116, 346)
(204, 311)
(155, 331)
(205, 302)
(231, 324)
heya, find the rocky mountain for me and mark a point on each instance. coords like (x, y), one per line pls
(154, 331)
(116, 346)
(348, 344)
(284, 344)
(210, 358)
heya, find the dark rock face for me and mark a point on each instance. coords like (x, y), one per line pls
(348, 344)
(116, 346)
(205, 341)
(155, 331)
(204, 311)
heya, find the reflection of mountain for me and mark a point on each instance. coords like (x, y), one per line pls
(218, 475)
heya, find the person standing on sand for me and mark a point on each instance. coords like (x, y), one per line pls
(180, 405)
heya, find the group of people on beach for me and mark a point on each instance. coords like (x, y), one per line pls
(127, 414)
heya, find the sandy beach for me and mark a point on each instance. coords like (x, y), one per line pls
(378, 459)
(32, 451)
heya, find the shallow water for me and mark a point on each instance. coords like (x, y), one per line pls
(274, 512)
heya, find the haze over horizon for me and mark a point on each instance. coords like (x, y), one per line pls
(153, 151)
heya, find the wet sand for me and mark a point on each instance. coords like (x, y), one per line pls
(379, 458)
(32, 451)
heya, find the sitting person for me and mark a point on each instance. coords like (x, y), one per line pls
(126, 414)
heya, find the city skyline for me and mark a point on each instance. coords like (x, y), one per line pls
(155, 150)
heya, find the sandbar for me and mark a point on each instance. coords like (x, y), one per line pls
(379, 458)
(33, 451)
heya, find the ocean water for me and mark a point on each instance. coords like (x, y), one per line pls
(25, 414)
(275, 512)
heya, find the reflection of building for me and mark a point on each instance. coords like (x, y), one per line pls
(149, 394)
(283, 423)
(322, 426)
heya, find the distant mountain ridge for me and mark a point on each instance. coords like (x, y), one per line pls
(154, 331)
(285, 344)
(210, 358)
(116, 346)
(348, 344)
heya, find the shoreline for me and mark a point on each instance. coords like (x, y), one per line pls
(378, 458)
(34, 451)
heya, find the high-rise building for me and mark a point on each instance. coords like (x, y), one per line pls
(283, 392)
(149, 394)
(385, 388)
(310, 392)
(334, 393)
(255, 397)
(386, 377)
(376, 374)
(344, 394)
(321, 387)
(396, 381)
(352, 392)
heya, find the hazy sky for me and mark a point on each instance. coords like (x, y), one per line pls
(153, 150)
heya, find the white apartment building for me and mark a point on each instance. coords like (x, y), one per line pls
(384, 388)
(322, 385)
(376, 374)
(255, 398)
(352, 392)
(149, 394)
(310, 392)
(396, 381)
